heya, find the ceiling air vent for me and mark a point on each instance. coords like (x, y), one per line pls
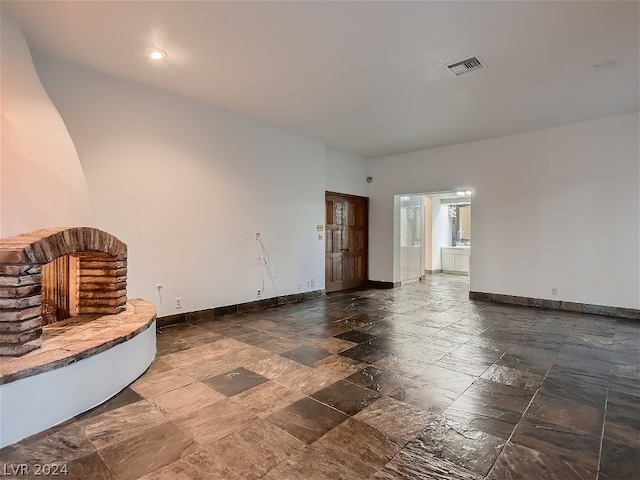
(466, 65)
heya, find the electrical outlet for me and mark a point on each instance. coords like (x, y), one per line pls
(257, 235)
(554, 292)
(259, 292)
(312, 282)
(178, 302)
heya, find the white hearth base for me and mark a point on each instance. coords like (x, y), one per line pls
(33, 404)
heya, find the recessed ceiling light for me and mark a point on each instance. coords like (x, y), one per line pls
(157, 54)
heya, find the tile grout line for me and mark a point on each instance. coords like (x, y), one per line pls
(519, 420)
(604, 418)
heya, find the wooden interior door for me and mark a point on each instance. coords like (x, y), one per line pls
(357, 224)
(346, 242)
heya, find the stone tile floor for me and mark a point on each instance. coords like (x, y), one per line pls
(411, 383)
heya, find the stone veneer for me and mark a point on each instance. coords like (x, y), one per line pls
(99, 273)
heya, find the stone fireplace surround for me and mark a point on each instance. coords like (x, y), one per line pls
(98, 269)
(50, 373)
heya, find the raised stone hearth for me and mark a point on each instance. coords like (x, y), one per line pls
(75, 271)
(83, 361)
(74, 339)
(69, 337)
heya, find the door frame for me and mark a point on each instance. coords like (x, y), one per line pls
(447, 197)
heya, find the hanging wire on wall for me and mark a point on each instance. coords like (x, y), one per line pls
(262, 262)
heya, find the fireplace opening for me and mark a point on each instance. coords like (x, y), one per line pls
(82, 283)
(55, 274)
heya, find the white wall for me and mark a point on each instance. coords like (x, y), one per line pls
(187, 187)
(41, 180)
(346, 173)
(553, 208)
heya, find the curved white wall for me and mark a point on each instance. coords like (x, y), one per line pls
(42, 182)
(553, 208)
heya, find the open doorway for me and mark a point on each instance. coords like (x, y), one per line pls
(432, 234)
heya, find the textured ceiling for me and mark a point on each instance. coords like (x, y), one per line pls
(364, 77)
